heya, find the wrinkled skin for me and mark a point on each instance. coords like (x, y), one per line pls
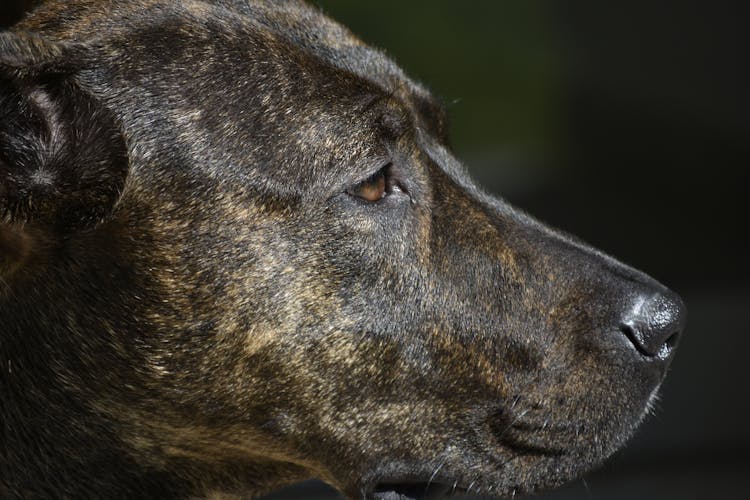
(195, 301)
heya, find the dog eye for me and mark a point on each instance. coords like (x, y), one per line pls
(374, 188)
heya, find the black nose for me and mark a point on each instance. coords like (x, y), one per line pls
(654, 324)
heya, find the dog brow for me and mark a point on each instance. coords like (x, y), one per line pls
(434, 113)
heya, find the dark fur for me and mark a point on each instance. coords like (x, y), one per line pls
(191, 302)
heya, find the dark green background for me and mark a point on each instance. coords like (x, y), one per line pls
(628, 124)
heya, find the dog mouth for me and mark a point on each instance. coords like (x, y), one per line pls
(516, 438)
(431, 490)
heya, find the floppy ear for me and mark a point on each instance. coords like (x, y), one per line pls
(63, 159)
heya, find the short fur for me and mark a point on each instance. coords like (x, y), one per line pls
(194, 303)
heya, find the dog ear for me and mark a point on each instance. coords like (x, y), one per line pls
(63, 158)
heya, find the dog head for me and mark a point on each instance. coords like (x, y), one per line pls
(237, 252)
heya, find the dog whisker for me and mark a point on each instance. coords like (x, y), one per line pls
(435, 472)
(513, 422)
(586, 485)
(515, 401)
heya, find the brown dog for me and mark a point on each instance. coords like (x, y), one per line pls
(236, 252)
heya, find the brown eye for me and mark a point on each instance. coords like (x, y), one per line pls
(371, 189)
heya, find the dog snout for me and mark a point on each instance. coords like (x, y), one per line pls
(645, 319)
(654, 323)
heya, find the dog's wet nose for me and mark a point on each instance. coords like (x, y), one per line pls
(654, 324)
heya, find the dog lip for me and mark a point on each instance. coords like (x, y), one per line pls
(411, 490)
(528, 447)
(523, 437)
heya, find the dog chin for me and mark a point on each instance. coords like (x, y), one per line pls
(519, 461)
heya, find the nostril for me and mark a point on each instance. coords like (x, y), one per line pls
(668, 346)
(654, 324)
(640, 338)
(636, 339)
(672, 341)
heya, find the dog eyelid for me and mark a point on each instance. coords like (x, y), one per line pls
(371, 189)
(376, 187)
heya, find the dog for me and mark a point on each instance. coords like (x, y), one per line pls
(236, 252)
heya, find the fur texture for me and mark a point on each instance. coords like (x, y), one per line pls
(194, 300)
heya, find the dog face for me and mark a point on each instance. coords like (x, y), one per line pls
(237, 252)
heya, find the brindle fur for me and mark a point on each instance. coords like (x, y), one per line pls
(191, 304)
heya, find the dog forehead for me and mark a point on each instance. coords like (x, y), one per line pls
(213, 70)
(308, 28)
(299, 24)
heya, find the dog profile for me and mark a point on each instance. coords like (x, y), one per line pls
(236, 252)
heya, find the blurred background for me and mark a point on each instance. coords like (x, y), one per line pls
(627, 124)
